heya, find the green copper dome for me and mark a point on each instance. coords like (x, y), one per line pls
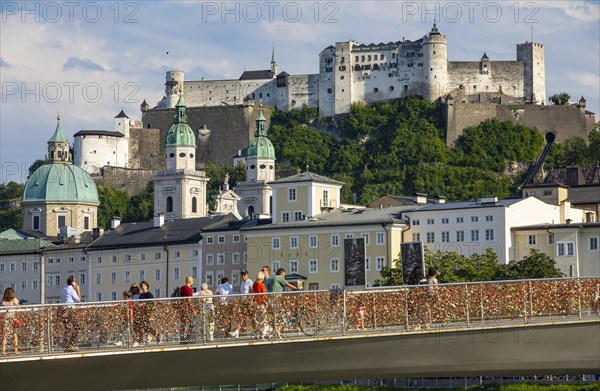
(62, 182)
(261, 146)
(180, 132)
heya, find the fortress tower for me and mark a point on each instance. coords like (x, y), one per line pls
(173, 82)
(435, 61)
(534, 83)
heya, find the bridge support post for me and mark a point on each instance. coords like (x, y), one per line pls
(49, 330)
(530, 303)
(407, 318)
(468, 309)
(344, 315)
(374, 312)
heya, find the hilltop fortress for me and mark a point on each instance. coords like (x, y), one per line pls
(350, 72)
(222, 112)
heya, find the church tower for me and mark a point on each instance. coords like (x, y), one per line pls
(255, 192)
(180, 190)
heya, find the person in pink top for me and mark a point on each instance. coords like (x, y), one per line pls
(9, 327)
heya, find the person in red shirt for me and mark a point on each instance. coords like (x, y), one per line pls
(260, 299)
(186, 290)
(186, 312)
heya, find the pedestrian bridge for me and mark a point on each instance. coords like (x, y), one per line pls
(537, 327)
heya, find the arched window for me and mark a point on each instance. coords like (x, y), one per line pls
(169, 204)
(194, 205)
(251, 211)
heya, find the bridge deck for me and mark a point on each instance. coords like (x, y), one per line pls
(532, 327)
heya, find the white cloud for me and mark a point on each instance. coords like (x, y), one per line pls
(582, 11)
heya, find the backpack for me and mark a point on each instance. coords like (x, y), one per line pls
(176, 292)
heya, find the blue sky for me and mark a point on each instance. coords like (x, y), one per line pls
(91, 59)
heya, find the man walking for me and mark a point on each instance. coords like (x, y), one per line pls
(186, 311)
(268, 279)
(69, 295)
(279, 281)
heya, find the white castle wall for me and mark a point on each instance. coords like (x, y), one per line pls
(91, 152)
(350, 73)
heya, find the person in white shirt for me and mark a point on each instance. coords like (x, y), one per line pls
(225, 288)
(70, 294)
(245, 289)
(246, 286)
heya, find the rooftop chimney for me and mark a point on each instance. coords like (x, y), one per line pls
(574, 176)
(159, 219)
(115, 222)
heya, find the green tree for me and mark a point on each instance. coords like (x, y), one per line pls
(11, 218)
(11, 191)
(561, 98)
(113, 203)
(391, 276)
(593, 153)
(535, 265)
(141, 205)
(37, 164)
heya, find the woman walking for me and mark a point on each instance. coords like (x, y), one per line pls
(10, 320)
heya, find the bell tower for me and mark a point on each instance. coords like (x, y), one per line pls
(180, 190)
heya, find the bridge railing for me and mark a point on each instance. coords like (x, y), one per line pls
(86, 327)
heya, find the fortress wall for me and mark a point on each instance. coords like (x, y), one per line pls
(506, 74)
(125, 179)
(231, 129)
(563, 121)
(144, 148)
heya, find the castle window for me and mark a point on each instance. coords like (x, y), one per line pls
(191, 155)
(194, 205)
(36, 222)
(182, 154)
(357, 67)
(252, 167)
(329, 90)
(356, 58)
(341, 77)
(262, 166)
(169, 204)
(369, 57)
(375, 57)
(375, 89)
(86, 222)
(171, 154)
(391, 88)
(393, 55)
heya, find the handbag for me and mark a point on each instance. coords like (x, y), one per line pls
(17, 322)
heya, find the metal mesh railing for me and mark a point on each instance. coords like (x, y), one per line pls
(87, 327)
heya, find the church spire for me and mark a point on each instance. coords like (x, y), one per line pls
(273, 63)
(58, 145)
(181, 115)
(260, 125)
